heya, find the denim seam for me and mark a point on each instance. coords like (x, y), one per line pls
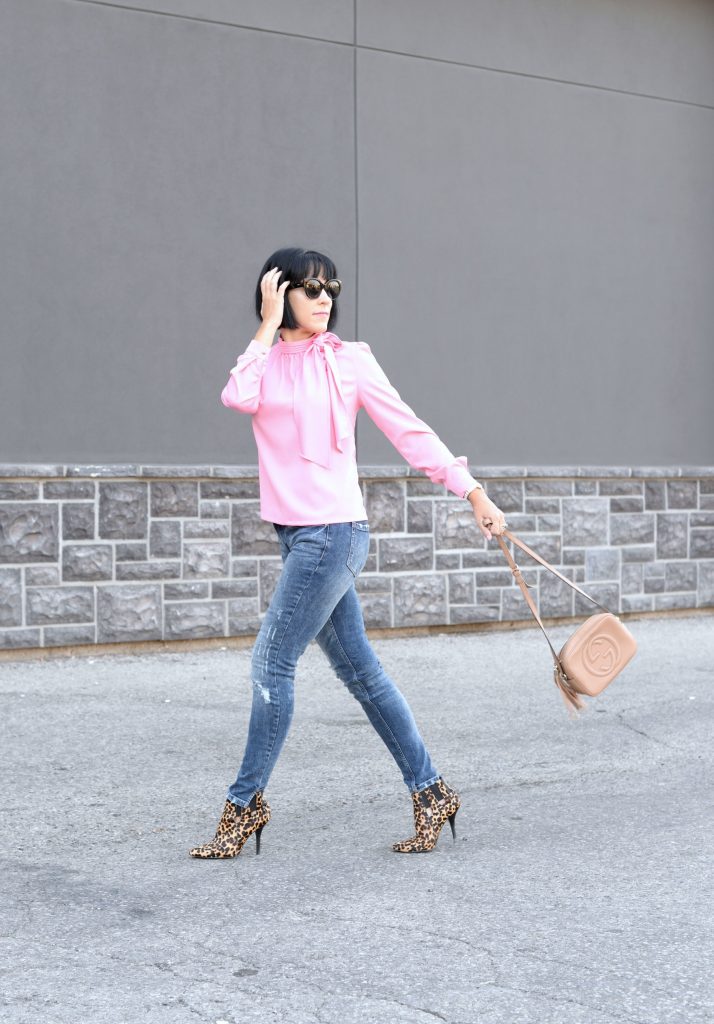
(274, 732)
(364, 690)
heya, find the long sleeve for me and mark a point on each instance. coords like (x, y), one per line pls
(412, 437)
(242, 392)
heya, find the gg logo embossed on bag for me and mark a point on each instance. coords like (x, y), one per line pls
(597, 651)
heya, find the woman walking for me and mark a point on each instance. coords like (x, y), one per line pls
(303, 394)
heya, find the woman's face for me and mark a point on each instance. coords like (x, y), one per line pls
(311, 315)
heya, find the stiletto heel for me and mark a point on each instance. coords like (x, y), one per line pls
(236, 826)
(433, 807)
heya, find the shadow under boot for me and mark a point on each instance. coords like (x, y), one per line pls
(236, 826)
(433, 806)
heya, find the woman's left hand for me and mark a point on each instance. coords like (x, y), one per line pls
(489, 518)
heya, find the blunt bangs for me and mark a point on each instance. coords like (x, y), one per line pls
(295, 265)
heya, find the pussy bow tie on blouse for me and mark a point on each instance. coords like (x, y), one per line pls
(320, 413)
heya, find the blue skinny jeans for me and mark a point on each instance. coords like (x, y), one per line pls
(315, 599)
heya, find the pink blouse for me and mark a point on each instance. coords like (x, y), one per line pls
(303, 397)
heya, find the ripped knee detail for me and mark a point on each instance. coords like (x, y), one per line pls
(262, 690)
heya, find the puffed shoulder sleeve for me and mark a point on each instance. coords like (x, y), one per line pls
(242, 392)
(413, 438)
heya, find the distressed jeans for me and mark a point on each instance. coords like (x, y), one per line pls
(315, 599)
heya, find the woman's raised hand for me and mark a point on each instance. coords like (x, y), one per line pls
(489, 518)
(271, 309)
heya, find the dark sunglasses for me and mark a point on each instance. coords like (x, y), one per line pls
(313, 287)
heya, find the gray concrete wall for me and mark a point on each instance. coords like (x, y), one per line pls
(518, 197)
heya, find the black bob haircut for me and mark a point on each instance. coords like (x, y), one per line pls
(296, 265)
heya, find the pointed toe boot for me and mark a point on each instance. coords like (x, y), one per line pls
(433, 807)
(236, 826)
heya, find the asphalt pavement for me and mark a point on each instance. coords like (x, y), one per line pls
(578, 891)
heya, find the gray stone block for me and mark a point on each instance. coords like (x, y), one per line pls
(115, 469)
(705, 583)
(666, 602)
(706, 501)
(706, 486)
(461, 587)
(585, 521)
(419, 600)
(68, 490)
(129, 611)
(385, 502)
(371, 564)
(268, 576)
(548, 488)
(637, 603)
(193, 619)
(123, 510)
(554, 597)
(573, 556)
(454, 525)
(507, 494)
(251, 535)
(653, 569)
(489, 595)
(445, 560)
(48, 605)
(78, 520)
(633, 487)
(654, 585)
(165, 539)
(655, 496)
(87, 562)
(205, 558)
(10, 639)
(542, 506)
(701, 519)
(638, 553)
(585, 487)
(373, 584)
(10, 597)
(133, 551)
(460, 614)
(681, 494)
(547, 545)
(215, 510)
(523, 524)
(420, 516)
(28, 532)
(680, 576)
(244, 567)
(701, 543)
(671, 534)
(627, 505)
(377, 611)
(65, 636)
(607, 594)
(405, 554)
(632, 528)
(16, 490)
(222, 490)
(631, 579)
(174, 498)
(206, 528)
(514, 607)
(545, 524)
(602, 564)
(243, 616)
(235, 588)
(421, 488)
(186, 591)
(481, 557)
(165, 570)
(493, 577)
(42, 576)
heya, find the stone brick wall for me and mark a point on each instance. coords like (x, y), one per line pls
(92, 555)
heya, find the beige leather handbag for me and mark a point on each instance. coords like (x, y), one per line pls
(597, 651)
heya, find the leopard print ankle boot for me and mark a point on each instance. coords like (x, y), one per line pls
(433, 806)
(237, 825)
